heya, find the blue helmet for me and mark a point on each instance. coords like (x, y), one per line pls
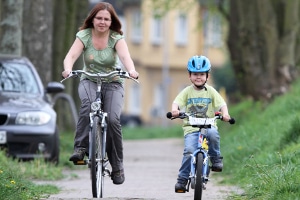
(198, 64)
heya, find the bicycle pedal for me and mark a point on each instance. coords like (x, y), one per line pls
(80, 162)
(216, 169)
(180, 191)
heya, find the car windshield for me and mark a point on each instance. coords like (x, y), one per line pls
(17, 77)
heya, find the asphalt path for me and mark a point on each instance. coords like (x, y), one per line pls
(151, 168)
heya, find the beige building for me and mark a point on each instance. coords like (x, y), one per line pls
(160, 48)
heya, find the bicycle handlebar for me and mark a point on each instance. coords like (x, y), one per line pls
(118, 71)
(183, 115)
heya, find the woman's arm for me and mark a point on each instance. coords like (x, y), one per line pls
(73, 54)
(124, 55)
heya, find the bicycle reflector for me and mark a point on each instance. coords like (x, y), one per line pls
(95, 106)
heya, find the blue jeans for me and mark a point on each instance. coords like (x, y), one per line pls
(191, 144)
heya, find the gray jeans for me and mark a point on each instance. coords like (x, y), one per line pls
(112, 96)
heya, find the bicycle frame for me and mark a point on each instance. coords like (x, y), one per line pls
(203, 149)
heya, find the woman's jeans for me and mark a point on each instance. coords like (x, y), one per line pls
(112, 96)
(191, 145)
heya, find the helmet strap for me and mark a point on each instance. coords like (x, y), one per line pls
(200, 87)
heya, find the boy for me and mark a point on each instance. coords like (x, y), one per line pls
(204, 100)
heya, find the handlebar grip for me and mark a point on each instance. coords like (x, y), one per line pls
(232, 121)
(181, 115)
(169, 115)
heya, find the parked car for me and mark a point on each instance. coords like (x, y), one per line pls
(28, 127)
(130, 120)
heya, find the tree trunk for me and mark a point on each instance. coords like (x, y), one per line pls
(262, 38)
(10, 31)
(37, 36)
(68, 16)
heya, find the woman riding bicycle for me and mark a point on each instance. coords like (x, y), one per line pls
(203, 100)
(101, 41)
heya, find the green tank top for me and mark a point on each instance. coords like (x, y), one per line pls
(99, 61)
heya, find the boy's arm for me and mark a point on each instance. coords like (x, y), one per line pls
(175, 110)
(225, 114)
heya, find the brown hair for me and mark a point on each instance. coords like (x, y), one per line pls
(115, 22)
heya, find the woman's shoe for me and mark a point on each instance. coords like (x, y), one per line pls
(118, 177)
(77, 155)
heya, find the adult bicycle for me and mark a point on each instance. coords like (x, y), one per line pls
(97, 159)
(200, 164)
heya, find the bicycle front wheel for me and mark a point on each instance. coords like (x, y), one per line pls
(199, 177)
(96, 156)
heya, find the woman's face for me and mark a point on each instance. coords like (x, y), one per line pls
(102, 21)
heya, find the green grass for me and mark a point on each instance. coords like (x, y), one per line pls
(261, 153)
(261, 150)
(14, 177)
(153, 132)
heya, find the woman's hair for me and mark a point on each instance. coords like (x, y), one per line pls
(115, 22)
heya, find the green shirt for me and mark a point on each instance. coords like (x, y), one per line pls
(99, 61)
(203, 102)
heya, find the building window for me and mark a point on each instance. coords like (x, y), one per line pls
(156, 30)
(136, 19)
(157, 108)
(181, 29)
(134, 100)
(212, 29)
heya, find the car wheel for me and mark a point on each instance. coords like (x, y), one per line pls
(132, 123)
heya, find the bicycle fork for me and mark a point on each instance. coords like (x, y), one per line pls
(203, 149)
(205, 168)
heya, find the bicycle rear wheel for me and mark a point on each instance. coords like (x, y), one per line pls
(97, 173)
(199, 178)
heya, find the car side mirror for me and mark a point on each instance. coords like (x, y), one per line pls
(54, 87)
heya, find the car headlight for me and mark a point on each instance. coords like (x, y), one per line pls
(33, 118)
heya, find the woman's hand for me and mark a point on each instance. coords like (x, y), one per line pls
(66, 73)
(134, 74)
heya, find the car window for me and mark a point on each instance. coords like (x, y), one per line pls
(17, 77)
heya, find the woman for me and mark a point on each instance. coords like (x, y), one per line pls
(100, 40)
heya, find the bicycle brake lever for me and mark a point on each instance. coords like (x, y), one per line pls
(129, 77)
(70, 75)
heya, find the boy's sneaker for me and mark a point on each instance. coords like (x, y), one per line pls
(77, 155)
(217, 163)
(180, 187)
(118, 177)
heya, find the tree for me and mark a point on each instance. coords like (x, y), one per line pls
(68, 16)
(263, 43)
(11, 34)
(37, 36)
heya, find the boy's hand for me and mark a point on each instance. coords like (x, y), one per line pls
(226, 118)
(175, 113)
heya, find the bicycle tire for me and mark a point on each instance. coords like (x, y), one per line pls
(199, 178)
(96, 159)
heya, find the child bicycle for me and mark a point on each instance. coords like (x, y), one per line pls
(97, 159)
(200, 167)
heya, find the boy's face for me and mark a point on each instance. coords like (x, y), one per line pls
(198, 78)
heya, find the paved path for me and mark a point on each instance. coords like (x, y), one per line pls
(151, 168)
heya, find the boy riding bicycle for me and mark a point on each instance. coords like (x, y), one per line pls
(202, 100)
